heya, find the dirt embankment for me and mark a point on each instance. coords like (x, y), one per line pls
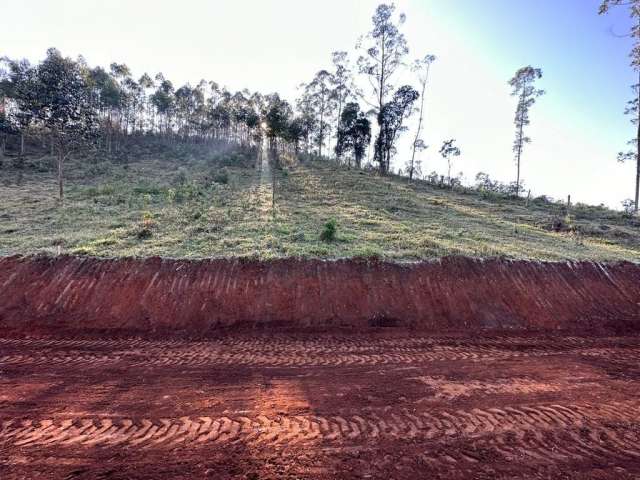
(450, 294)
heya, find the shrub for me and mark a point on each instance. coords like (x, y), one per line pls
(628, 207)
(145, 229)
(221, 176)
(180, 177)
(328, 233)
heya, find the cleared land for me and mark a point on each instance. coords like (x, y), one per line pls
(189, 206)
(381, 405)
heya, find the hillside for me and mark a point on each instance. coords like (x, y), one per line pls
(179, 204)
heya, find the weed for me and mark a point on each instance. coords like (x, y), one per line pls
(328, 233)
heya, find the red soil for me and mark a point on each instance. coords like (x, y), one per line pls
(451, 294)
(389, 405)
(380, 404)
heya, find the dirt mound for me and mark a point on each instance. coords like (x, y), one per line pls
(454, 293)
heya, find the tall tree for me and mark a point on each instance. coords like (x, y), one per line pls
(321, 99)
(447, 151)
(354, 133)
(391, 120)
(384, 49)
(632, 108)
(21, 89)
(341, 81)
(421, 67)
(523, 84)
(64, 107)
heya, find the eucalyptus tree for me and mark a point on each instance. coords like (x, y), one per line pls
(321, 101)
(421, 67)
(354, 133)
(391, 120)
(383, 51)
(342, 79)
(7, 126)
(278, 117)
(307, 118)
(64, 107)
(147, 112)
(164, 102)
(106, 98)
(449, 150)
(523, 85)
(633, 104)
(20, 89)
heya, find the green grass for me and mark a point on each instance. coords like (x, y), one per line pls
(184, 208)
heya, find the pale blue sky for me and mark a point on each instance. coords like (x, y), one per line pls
(273, 45)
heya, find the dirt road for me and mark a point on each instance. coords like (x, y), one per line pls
(386, 405)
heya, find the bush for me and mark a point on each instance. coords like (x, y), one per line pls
(145, 229)
(221, 176)
(180, 177)
(628, 207)
(329, 231)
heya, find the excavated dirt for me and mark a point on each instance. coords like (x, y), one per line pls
(452, 294)
(458, 369)
(387, 405)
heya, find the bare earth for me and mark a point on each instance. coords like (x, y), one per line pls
(389, 405)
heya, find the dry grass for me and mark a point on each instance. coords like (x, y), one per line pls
(177, 209)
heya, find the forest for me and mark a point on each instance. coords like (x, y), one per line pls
(155, 154)
(70, 105)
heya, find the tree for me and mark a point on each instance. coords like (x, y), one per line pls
(421, 67)
(447, 151)
(321, 100)
(632, 106)
(384, 48)
(341, 81)
(278, 117)
(523, 88)
(20, 88)
(391, 120)
(354, 133)
(64, 107)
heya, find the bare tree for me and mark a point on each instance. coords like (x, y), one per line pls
(447, 151)
(421, 67)
(523, 88)
(633, 104)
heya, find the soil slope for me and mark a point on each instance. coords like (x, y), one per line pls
(454, 293)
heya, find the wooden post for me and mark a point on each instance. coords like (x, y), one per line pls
(528, 198)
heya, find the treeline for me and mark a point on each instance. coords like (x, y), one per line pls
(71, 105)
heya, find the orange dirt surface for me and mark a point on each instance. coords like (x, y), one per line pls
(388, 404)
(454, 293)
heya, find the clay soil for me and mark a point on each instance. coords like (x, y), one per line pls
(387, 404)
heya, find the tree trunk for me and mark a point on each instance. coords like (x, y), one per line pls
(415, 140)
(638, 152)
(21, 144)
(519, 153)
(60, 177)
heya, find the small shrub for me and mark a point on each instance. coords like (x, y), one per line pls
(628, 207)
(328, 233)
(143, 233)
(180, 177)
(298, 237)
(221, 176)
(145, 229)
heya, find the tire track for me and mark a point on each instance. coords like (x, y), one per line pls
(256, 357)
(542, 432)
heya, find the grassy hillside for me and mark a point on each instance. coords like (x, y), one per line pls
(183, 206)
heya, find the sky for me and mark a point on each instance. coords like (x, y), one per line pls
(577, 128)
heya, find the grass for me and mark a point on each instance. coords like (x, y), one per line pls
(195, 208)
